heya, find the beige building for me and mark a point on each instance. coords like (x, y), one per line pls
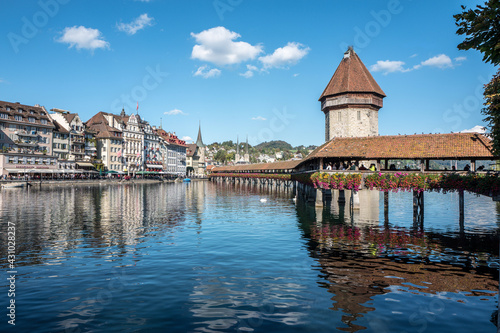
(109, 141)
(26, 140)
(351, 100)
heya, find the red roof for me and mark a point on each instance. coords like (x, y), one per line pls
(419, 146)
(170, 138)
(351, 76)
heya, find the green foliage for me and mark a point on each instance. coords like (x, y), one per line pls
(492, 110)
(482, 29)
(275, 144)
(221, 156)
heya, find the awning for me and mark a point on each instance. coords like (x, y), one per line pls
(85, 164)
(154, 166)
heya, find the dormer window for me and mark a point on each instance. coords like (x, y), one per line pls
(7, 108)
(20, 110)
(42, 113)
(32, 112)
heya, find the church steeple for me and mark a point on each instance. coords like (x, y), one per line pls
(122, 114)
(237, 155)
(199, 141)
(351, 100)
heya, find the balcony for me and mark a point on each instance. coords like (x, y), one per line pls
(76, 139)
(23, 133)
(26, 143)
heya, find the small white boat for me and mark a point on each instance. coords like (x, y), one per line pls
(13, 185)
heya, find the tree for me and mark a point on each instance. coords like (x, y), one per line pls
(481, 26)
(492, 110)
(221, 156)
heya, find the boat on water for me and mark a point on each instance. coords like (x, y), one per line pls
(186, 180)
(13, 185)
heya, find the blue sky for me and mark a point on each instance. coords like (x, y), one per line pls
(240, 67)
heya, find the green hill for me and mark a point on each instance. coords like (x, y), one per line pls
(275, 144)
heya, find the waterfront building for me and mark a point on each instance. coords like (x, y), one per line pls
(26, 140)
(77, 154)
(351, 100)
(109, 141)
(174, 153)
(133, 142)
(195, 157)
(153, 156)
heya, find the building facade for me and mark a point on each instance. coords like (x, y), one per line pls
(109, 141)
(351, 100)
(26, 139)
(174, 153)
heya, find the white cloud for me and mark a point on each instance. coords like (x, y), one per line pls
(175, 112)
(259, 118)
(249, 73)
(206, 72)
(296, 74)
(440, 61)
(187, 138)
(283, 56)
(217, 45)
(458, 59)
(388, 66)
(138, 24)
(83, 38)
(475, 129)
(413, 55)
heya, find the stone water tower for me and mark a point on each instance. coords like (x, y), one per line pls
(351, 100)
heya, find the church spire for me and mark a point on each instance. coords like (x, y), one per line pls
(199, 141)
(237, 145)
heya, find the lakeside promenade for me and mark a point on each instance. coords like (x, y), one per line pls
(98, 181)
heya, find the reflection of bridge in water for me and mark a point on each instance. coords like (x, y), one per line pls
(366, 259)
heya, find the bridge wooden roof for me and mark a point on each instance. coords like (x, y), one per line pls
(418, 146)
(283, 165)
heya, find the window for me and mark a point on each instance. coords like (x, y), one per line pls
(20, 110)
(359, 115)
(31, 119)
(4, 116)
(7, 108)
(32, 112)
(18, 118)
(43, 121)
(340, 116)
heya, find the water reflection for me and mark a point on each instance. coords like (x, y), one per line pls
(362, 259)
(94, 217)
(205, 257)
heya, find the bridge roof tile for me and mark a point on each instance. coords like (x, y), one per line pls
(418, 146)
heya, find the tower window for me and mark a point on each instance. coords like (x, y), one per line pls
(340, 116)
(359, 115)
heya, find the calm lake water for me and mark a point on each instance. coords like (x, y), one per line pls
(206, 257)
